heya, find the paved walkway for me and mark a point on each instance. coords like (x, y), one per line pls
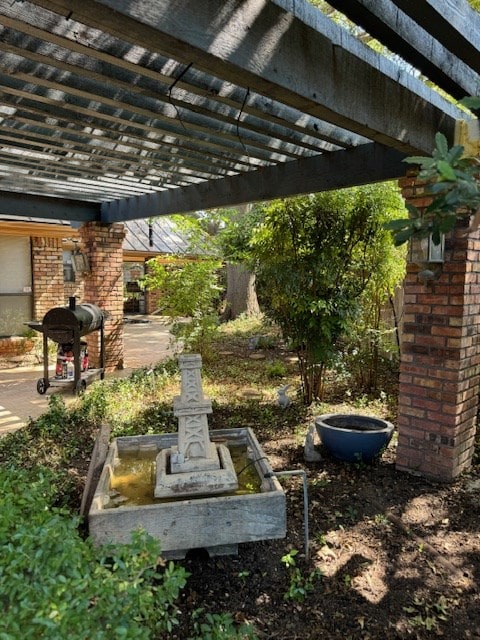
(146, 341)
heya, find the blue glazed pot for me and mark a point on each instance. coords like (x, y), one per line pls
(353, 438)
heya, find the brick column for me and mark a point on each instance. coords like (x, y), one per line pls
(440, 360)
(104, 287)
(47, 275)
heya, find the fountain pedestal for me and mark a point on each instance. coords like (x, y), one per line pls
(196, 466)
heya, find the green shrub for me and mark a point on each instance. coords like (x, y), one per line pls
(276, 369)
(55, 585)
(220, 626)
(197, 335)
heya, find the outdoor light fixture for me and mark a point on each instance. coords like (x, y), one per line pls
(428, 256)
(79, 260)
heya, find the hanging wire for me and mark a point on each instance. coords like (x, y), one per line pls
(169, 93)
(238, 122)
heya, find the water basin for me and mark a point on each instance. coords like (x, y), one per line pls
(124, 501)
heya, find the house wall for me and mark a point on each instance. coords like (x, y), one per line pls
(47, 275)
(15, 284)
(103, 286)
(49, 288)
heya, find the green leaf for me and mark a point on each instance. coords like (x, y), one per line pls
(409, 609)
(423, 161)
(471, 102)
(446, 171)
(441, 144)
(438, 187)
(402, 237)
(412, 210)
(394, 225)
(446, 224)
(455, 154)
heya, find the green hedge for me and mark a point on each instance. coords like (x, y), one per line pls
(56, 585)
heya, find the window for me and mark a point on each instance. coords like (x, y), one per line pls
(15, 285)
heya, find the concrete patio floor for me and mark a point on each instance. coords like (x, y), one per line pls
(147, 340)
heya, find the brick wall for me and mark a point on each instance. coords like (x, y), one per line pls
(440, 361)
(15, 346)
(152, 300)
(47, 275)
(103, 286)
(74, 290)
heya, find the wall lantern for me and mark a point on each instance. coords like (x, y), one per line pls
(428, 256)
(79, 261)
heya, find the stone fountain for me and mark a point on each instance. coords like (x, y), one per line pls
(196, 465)
(195, 497)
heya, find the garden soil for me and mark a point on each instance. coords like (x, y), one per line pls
(390, 555)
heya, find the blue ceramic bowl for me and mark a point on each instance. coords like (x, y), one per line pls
(353, 438)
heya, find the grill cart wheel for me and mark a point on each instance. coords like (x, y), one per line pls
(42, 386)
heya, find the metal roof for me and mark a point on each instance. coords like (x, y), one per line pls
(160, 236)
(113, 110)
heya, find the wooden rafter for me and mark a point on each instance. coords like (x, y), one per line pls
(115, 103)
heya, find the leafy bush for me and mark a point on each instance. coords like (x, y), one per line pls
(130, 405)
(220, 626)
(197, 334)
(314, 258)
(276, 369)
(189, 290)
(55, 585)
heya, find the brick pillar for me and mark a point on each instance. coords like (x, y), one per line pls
(47, 275)
(104, 287)
(440, 360)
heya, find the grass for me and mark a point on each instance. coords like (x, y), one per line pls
(237, 378)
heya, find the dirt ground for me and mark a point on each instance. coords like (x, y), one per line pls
(391, 556)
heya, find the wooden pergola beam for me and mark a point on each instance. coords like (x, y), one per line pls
(39, 206)
(367, 163)
(411, 37)
(449, 21)
(290, 52)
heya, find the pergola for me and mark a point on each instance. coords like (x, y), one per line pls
(119, 109)
(113, 110)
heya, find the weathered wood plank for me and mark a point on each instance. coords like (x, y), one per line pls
(37, 206)
(367, 163)
(78, 92)
(37, 24)
(118, 160)
(301, 59)
(190, 160)
(107, 75)
(383, 20)
(453, 22)
(100, 119)
(99, 455)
